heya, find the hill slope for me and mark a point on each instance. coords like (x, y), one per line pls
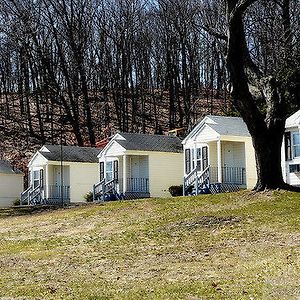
(227, 246)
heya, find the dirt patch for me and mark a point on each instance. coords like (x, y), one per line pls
(208, 221)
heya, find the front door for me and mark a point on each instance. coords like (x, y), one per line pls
(228, 155)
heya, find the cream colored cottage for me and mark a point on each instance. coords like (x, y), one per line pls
(61, 174)
(291, 150)
(139, 165)
(218, 156)
(11, 183)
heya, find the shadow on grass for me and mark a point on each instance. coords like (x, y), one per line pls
(25, 210)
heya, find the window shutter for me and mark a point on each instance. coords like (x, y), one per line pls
(30, 181)
(288, 146)
(101, 170)
(41, 178)
(205, 157)
(116, 170)
(187, 161)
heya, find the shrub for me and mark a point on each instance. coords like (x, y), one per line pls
(88, 197)
(16, 202)
(176, 190)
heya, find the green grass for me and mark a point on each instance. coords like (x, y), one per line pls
(226, 246)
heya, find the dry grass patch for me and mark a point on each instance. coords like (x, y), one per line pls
(227, 246)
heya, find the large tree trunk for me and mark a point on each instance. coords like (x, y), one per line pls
(250, 90)
(267, 145)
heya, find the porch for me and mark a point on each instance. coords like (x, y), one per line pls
(49, 184)
(123, 177)
(215, 166)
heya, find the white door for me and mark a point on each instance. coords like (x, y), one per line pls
(228, 155)
(57, 175)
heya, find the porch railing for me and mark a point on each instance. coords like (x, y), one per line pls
(31, 196)
(104, 188)
(232, 175)
(24, 197)
(138, 185)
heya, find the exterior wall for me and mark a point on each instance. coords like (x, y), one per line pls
(82, 178)
(251, 174)
(240, 153)
(78, 175)
(233, 154)
(113, 150)
(290, 178)
(165, 170)
(11, 186)
(213, 155)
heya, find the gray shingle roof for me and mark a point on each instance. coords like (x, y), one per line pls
(229, 126)
(71, 153)
(7, 168)
(150, 142)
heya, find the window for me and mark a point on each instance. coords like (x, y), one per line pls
(288, 146)
(294, 168)
(109, 171)
(296, 144)
(199, 158)
(204, 157)
(193, 158)
(187, 161)
(36, 178)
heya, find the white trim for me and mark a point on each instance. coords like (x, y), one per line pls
(219, 159)
(124, 173)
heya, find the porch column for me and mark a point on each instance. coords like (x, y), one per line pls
(124, 173)
(219, 161)
(46, 182)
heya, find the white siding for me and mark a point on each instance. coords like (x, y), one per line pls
(11, 186)
(38, 160)
(82, 178)
(251, 174)
(114, 149)
(206, 134)
(165, 170)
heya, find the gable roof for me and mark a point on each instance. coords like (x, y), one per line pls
(232, 126)
(70, 153)
(293, 120)
(7, 168)
(229, 125)
(149, 142)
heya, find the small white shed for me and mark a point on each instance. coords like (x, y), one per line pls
(138, 165)
(219, 152)
(11, 183)
(61, 174)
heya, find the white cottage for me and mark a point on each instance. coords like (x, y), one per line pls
(11, 183)
(291, 150)
(218, 156)
(138, 166)
(61, 174)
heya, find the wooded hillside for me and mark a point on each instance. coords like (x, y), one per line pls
(90, 67)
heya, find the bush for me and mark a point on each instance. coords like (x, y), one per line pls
(88, 197)
(16, 202)
(176, 190)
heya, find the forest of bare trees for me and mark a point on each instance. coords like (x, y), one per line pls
(90, 67)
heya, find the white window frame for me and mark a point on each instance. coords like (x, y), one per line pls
(295, 145)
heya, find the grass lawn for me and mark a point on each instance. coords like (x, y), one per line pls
(226, 246)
